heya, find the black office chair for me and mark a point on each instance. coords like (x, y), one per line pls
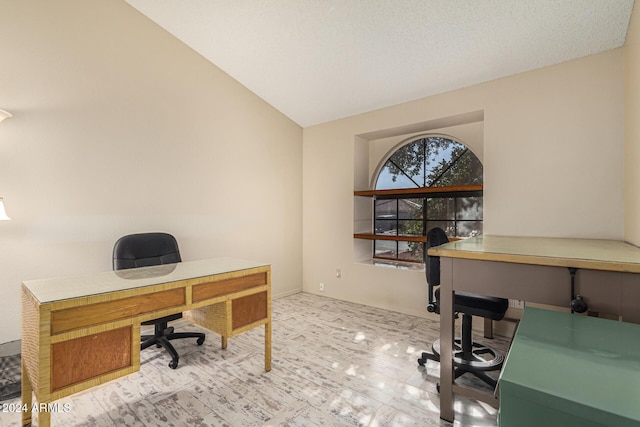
(147, 249)
(468, 356)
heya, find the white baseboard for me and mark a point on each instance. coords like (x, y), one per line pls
(10, 348)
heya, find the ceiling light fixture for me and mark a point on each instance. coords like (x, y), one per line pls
(3, 213)
(4, 115)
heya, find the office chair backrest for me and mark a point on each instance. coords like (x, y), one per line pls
(435, 237)
(145, 249)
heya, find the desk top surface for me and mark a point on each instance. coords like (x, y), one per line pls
(62, 288)
(582, 365)
(610, 255)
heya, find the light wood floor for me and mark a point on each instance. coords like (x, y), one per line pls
(335, 363)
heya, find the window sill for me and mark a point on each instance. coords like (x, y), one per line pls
(389, 263)
(401, 238)
(407, 238)
(457, 190)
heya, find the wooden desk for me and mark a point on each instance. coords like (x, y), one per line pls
(78, 332)
(533, 269)
(571, 371)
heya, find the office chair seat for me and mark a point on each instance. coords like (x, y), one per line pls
(479, 305)
(468, 356)
(149, 249)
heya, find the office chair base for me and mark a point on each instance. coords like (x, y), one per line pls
(162, 337)
(480, 358)
(474, 362)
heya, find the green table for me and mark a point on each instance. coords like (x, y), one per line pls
(571, 370)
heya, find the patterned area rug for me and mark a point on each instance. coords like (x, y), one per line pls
(9, 377)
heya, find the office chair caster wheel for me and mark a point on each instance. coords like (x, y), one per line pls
(173, 364)
(422, 361)
(200, 341)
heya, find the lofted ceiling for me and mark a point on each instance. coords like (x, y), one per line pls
(321, 60)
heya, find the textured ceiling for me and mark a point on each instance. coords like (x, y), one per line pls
(321, 60)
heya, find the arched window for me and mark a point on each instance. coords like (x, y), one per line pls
(433, 161)
(444, 176)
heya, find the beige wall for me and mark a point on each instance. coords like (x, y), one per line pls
(118, 127)
(632, 131)
(552, 149)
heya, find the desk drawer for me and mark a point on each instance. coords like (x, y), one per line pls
(223, 287)
(88, 357)
(109, 311)
(248, 309)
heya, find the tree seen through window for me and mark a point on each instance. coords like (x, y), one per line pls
(426, 162)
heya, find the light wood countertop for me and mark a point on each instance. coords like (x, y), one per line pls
(595, 254)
